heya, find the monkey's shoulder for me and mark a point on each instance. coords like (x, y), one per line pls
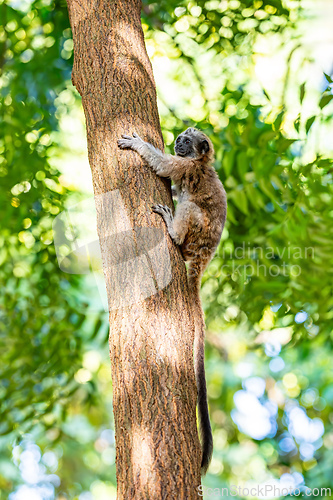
(211, 197)
(205, 183)
(195, 173)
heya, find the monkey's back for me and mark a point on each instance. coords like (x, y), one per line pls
(209, 195)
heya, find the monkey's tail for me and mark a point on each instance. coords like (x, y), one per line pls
(194, 281)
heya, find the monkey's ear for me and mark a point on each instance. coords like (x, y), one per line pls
(203, 147)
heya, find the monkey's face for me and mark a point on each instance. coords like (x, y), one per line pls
(191, 144)
(184, 145)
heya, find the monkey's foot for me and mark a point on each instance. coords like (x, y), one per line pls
(130, 142)
(164, 211)
(167, 216)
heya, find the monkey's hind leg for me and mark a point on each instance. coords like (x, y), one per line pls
(178, 225)
(177, 231)
(168, 218)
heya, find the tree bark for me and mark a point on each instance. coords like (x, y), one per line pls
(151, 331)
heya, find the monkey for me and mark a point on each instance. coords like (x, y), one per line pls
(196, 227)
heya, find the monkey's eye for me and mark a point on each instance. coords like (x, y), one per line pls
(187, 141)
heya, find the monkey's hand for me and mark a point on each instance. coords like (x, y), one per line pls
(165, 212)
(153, 156)
(131, 142)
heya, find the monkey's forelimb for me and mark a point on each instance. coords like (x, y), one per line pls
(164, 165)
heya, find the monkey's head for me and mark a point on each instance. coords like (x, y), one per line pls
(194, 144)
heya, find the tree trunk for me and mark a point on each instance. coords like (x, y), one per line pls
(151, 331)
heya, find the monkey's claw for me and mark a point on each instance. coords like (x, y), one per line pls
(125, 142)
(128, 141)
(162, 210)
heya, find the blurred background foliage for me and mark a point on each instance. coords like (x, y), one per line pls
(255, 76)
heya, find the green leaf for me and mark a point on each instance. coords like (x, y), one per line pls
(328, 78)
(268, 189)
(240, 200)
(302, 92)
(266, 95)
(254, 196)
(326, 98)
(297, 123)
(309, 123)
(284, 144)
(278, 120)
(228, 161)
(97, 327)
(231, 218)
(265, 137)
(242, 164)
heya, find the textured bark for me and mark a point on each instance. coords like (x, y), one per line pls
(151, 331)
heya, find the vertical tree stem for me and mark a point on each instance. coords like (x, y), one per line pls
(151, 330)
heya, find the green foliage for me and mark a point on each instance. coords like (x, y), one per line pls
(215, 24)
(40, 325)
(267, 294)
